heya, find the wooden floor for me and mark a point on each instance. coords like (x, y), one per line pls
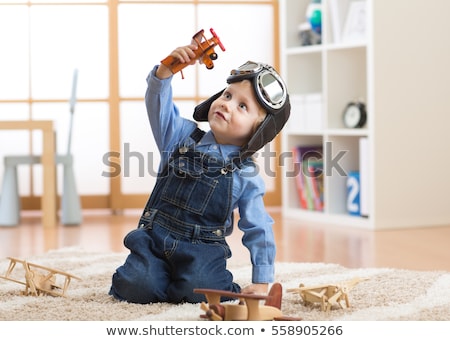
(102, 231)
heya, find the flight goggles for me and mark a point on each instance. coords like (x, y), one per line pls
(269, 87)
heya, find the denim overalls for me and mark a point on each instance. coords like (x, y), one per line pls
(180, 242)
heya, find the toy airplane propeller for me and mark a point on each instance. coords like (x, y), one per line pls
(248, 308)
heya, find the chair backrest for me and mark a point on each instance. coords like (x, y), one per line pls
(72, 102)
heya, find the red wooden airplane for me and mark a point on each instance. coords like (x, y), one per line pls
(205, 52)
(248, 308)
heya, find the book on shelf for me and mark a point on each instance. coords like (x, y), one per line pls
(354, 30)
(338, 10)
(364, 158)
(306, 112)
(353, 193)
(315, 183)
(308, 166)
(299, 180)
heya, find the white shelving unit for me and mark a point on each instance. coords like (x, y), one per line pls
(401, 72)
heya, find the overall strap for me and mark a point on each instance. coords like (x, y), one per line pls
(197, 135)
(238, 162)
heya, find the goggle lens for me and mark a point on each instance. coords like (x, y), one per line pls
(269, 86)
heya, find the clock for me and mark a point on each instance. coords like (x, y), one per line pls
(355, 115)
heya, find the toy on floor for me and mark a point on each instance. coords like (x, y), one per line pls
(248, 308)
(327, 295)
(205, 52)
(39, 280)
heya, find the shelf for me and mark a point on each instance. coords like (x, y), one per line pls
(346, 46)
(407, 110)
(326, 218)
(299, 50)
(347, 132)
(322, 80)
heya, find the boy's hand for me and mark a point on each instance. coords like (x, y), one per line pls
(256, 288)
(183, 55)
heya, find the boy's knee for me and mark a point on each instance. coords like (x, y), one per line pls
(135, 289)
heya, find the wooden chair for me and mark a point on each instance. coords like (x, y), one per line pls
(70, 201)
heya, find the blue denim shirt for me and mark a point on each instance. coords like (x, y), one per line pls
(169, 128)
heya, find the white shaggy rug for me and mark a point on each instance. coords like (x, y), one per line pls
(388, 294)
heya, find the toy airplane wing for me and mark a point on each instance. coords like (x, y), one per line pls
(38, 278)
(302, 288)
(214, 296)
(353, 282)
(205, 52)
(249, 307)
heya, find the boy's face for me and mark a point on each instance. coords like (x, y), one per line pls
(234, 116)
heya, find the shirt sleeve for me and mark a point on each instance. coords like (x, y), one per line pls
(256, 224)
(167, 125)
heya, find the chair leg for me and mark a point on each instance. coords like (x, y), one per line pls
(9, 199)
(70, 201)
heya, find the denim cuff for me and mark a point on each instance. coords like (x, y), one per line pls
(263, 273)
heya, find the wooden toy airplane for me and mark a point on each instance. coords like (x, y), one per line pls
(39, 280)
(205, 52)
(248, 309)
(327, 295)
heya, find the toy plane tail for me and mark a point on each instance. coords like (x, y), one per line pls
(275, 296)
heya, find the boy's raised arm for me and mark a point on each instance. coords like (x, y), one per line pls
(185, 54)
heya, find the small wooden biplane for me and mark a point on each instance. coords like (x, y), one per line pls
(327, 295)
(205, 52)
(39, 280)
(249, 307)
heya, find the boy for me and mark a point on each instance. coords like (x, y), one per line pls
(180, 244)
